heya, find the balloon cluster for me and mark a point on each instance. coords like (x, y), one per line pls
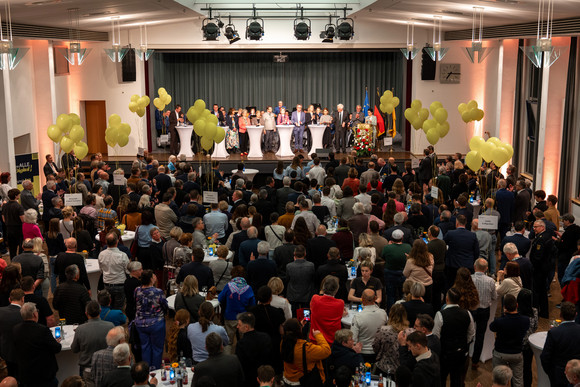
(138, 104)
(434, 128)
(163, 100)
(388, 102)
(470, 112)
(68, 132)
(205, 125)
(416, 114)
(491, 150)
(118, 132)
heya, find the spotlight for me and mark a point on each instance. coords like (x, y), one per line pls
(345, 30)
(302, 29)
(231, 33)
(255, 29)
(328, 34)
(210, 28)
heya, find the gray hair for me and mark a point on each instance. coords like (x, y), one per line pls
(263, 248)
(510, 248)
(330, 285)
(358, 208)
(574, 367)
(27, 183)
(30, 216)
(27, 311)
(399, 218)
(115, 336)
(51, 184)
(71, 272)
(121, 353)
(252, 232)
(481, 264)
(365, 253)
(286, 180)
(368, 208)
(55, 200)
(134, 266)
(263, 194)
(342, 335)
(417, 290)
(240, 183)
(28, 244)
(502, 375)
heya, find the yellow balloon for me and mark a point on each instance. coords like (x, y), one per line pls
(424, 113)
(416, 105)
(192, 115)
(77, 133)
(466, 116)
(166, 99)
(123, 140)
(199, 127)
(500, 156)
(417, 123)
(472, 104)
(434, 106)
(443, 129)
(54, 133)
(478, 114)
(143, 101)
(432, 136)
(133, 106)
(76, 120)
(161, 91)
(64, 122)
(473, 160)
(220, 135)
(206, 113)
(476, 143)
(212, 119)
(389, 108)
(111, 137)
(428, 125)
(462, 107)
(66, 144)
(147, 100)
(206, 142)
(199, 104)
(495, 141)
(125, 129)
(410, 114)
(140, 111)
(388, 94)
(158, 103)
(81, 150)
(486, 151)
(114, 119)
(440, 115)
(134, 98)
(395, 101)
(210, 130)
(509, 149)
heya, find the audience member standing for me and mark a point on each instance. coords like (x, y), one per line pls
(486, 290)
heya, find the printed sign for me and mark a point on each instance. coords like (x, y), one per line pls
(488, 222)
(73, 200)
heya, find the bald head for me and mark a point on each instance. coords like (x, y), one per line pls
(480, 265)
(9, 381)
(474, 225)
(368, 297)
(71, 244)
(321, 230)
(245, 223)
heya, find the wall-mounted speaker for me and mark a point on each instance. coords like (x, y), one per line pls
(428, 67)
(129, 67)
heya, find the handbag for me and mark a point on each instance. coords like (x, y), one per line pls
(310, 378)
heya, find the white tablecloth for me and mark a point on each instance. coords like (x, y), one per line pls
(248, 172)
(285, 132)
(219, 150)
(68, 362)
(537, 341)
(317, 132)
(255, 134)
(489, 339)
(171, 301)
(93, 272)
(185, 133)
(127, 238)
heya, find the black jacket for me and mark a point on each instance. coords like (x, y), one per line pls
(225, 370)
(35, 353)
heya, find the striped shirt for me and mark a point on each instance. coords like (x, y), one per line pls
(104, 214)
(485, 287)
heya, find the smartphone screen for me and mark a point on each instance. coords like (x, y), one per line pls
(353, 271)
(307, 314)
(360, 308)
(171, 374)
(368, 378)
(211, 251)
(425, 240)
(57, 332)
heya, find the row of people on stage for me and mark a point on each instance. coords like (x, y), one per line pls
(338, 124)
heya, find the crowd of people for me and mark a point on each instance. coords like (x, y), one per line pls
(408, 248)
(338, 124)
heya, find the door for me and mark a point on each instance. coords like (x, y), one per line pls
(96, 123)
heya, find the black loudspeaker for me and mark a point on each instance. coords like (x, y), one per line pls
(129, 73)
(322, 153)
(428, 67)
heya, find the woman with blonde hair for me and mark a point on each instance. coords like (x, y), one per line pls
(244, 122)
(399, 189)
(386, 344)
(178, 343)
(123, 206)
(29, 227)
(464, 284)
(365, 242)
(419, 267)
(189, 298)
(295, 166)
(66, 223)
(277, 287)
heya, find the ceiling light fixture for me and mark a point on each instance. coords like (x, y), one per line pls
(254, 27)
(143, 53)
(230, 32)
(543, 54)
(75, 54)
(211, 27)
(437, 52)
(116, 53)
(329, 32)
(302, 27)
(345, 30)
(10, 56)
(410, 51)
(477, 41)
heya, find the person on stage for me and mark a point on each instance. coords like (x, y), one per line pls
(257, 119)
(279, 108)
(232, 138)
(298, 120)
(244, 122)
(371, 119)
(340, 119)
(174, 119)
(311, 117)
(283, 118)
(326, 119)
(269, 121)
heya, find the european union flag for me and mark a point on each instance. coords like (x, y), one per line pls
(366, 105)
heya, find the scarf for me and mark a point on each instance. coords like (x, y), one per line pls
(238, 286)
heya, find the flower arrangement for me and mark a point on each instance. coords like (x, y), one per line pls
(363, 140)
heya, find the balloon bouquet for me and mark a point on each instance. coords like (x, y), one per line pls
(68, 133)
(434, 128)
(205, 125)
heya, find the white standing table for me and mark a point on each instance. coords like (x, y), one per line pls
(68, 362)
(255, 134)
(127, 238)
(285, 132)
(171, 301)
(489, 338)
(317, 132)
(537, 341)
(93, 272)
(185, 133)
(249, 173)
(219, 150)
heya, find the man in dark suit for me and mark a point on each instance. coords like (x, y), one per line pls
(225, 370)
(562, 344)
(340, 120)
(298, 120)
(425, 168)
(541, 254)
(522, 243)
(510, 250)
(334, 267)
(253, 349)
(341, 172)
(505, 203)
(240, 237)
(399, 219)
(47, 196)
(282, 195)
(463, 249)
(522, 201)
(317, 247)
(50, 167)
(162, 181)
(9, 317)
(120, 376)
(261, 268)
(36, 350)
(264, 206)
(284, 254)
(175, 117)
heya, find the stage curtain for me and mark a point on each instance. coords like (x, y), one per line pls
(241, 79)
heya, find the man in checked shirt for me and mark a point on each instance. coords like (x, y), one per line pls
(486, 288)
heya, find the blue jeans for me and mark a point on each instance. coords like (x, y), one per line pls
(152, 341)
(298, 133)
(52, 274)
(394, 283)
